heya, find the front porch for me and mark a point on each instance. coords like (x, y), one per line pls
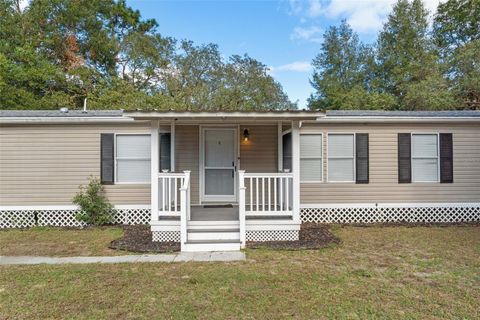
(223, 180)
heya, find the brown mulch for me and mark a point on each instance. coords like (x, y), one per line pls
(312, 236)
(138, 238)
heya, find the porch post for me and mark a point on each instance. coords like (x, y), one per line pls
(172, 146)
(154, 169)
(296, 170)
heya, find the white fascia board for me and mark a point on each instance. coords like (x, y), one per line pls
(393, 119)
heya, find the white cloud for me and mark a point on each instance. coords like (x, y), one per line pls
(311, 34)
(314, 8)
(296, 66)
(365, 16)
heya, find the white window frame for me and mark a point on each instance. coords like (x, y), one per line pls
(438, 155)
(354, 156)
(321, 159)
(115, 158)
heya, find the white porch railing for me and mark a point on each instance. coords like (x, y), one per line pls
(169, 193)
(268, 193)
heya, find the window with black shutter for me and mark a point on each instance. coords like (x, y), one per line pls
(404, 158)
(446, 158)
(362, 159)
(107, 154)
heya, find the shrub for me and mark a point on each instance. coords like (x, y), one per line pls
(94, 205)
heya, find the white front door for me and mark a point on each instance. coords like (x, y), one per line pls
(219, 164)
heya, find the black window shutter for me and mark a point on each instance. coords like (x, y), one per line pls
(165, 143)
(446, 158)
(404, 158)
(107, 151)
(361, 146)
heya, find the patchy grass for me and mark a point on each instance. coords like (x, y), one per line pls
(43, 241)
(377, 272)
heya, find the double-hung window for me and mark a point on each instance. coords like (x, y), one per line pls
(311, 158)
(341, 157)
(425, 157)
(132, 158)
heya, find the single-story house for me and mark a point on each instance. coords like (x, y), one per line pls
(214, 180)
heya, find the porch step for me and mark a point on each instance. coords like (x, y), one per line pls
(213, 241)
(213, 234)
(213, 230)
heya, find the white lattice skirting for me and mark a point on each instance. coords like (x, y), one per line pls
(392, 213)
(166, 236)
(64, 216)
(272, 235)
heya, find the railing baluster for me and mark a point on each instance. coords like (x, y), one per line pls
(269, 203)
(287, 194)
(263, 194)
(175, 204)
(280, 180)
(256, 193)
(251, 194)
(274, 194)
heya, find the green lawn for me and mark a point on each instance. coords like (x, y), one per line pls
(377, 272)
(59, 242)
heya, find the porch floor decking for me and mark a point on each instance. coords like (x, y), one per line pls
(206, 213)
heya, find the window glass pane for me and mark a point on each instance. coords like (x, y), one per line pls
(424, 146)
(311, 145)
(340, 170)
(219, 148)
(165, 140)
(310, 169)
(340, 145)
(425, 170)
(133, 146)
(133, 171)
(287, 151)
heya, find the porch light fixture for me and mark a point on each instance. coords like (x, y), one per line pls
(246, 135)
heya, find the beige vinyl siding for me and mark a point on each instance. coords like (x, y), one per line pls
(187, 156)
(384, 186)
(45, 164)
(259, 153)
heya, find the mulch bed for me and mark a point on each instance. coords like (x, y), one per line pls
(138, 238)
(312, 236)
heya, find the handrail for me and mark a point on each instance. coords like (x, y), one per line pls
(168, 186)
(241, 207)
(184, 208)
(268, 175)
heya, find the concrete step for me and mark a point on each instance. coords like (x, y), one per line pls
(213, 234)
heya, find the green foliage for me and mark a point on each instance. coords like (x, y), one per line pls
(94, 205)
(408, 68)
(456, 32)
(55, 53)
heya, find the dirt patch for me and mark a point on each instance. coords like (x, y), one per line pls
(138, 238)
(312, 236)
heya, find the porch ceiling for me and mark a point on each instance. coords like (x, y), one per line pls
(233, 116)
